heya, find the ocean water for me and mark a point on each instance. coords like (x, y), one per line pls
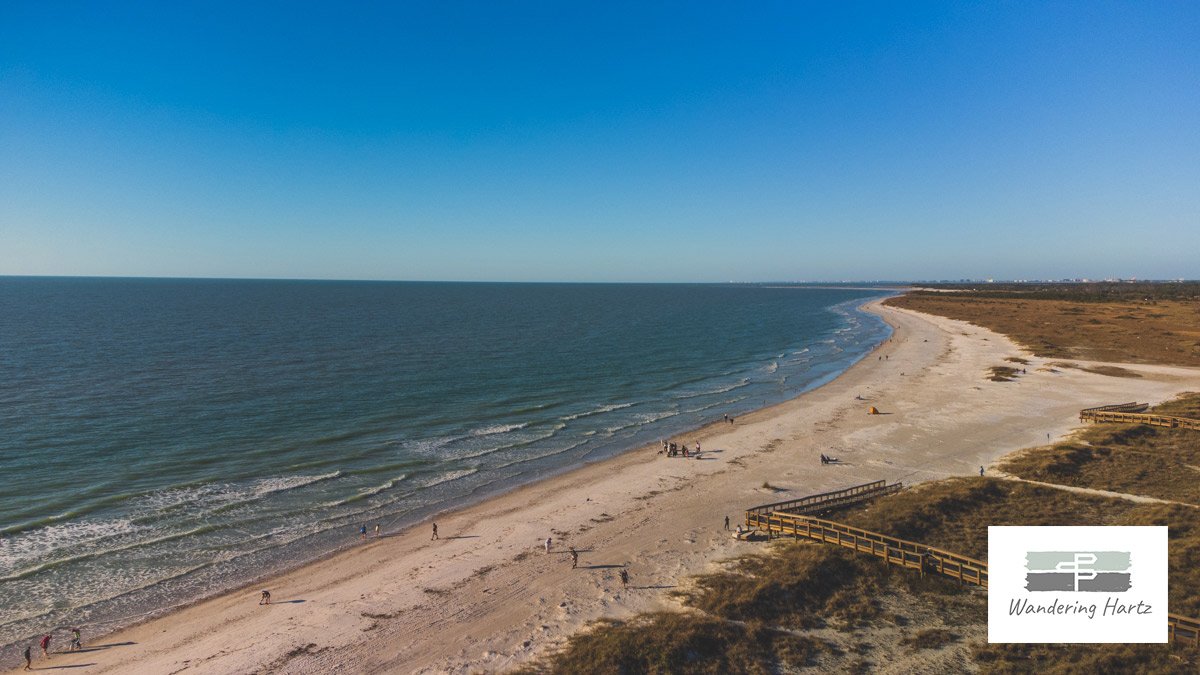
(162, 440)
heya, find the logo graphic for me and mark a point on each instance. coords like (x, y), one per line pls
(1077, 584)
(1080, 571)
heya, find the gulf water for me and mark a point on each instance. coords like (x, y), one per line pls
(162, 440)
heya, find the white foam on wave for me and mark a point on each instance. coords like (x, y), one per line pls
(431, 446)
(213, 496)
(599, 411)
(367, 492)
(76, 554)
(266, 486)
(638, 420)
(519, 442)
(453, 475)
(531, 458)
(498, 429)
(772, 367)
(44, 543)
(744, 382)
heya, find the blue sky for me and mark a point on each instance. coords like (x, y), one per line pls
(604, 142)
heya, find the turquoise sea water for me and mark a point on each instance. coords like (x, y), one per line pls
(161, 440)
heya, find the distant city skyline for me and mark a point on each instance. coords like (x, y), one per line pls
(696, 142)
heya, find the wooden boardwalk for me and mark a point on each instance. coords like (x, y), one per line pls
(794, 518)
(1130, 413)
(828, 501)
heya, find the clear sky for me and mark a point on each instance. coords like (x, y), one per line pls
(643, 141)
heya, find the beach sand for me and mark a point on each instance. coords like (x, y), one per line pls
(486, 597)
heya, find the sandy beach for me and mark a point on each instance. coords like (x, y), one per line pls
(487, 597)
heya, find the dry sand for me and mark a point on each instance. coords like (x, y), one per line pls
(486, 597)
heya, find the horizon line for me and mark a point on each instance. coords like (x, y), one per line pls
(880, 282)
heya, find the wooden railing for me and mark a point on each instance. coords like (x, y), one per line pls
(775, 521)
(1183, 629)
(894, 551)
(827, 501)
(1106, 414)
(1131, 407)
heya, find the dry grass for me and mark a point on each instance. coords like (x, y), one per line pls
(1000, 659)
(666, 642)
(1161, 331)
(801, 586)
(1131, 458)
(1002, 373)
(954, 515)
(930, 638)
(745, 618)
(1111, 371)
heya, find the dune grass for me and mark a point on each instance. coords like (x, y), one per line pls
(1074, 325)
(1002, 659)
(1002, 373)
(1132, 458)
(670, 642)
(751, 616)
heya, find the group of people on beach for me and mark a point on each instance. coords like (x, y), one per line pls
(44, 643)
(672, 450)
(825, 459)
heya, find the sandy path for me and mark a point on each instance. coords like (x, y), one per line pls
(486, 597)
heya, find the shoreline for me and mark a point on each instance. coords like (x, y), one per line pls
(485, 596)
(425, 513)
(470, 501)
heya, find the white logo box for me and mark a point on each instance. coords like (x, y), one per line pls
(1121, 574)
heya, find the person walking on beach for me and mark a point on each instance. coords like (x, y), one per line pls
(362, 531)
(28, 658)
(574, 557)
(624, 578)
(45, 646)
(547, 544)
(981, 471)
(726, 522)
(265, 598)
(376, 529)
(727, 418)
(434, 532)
(76, 643)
